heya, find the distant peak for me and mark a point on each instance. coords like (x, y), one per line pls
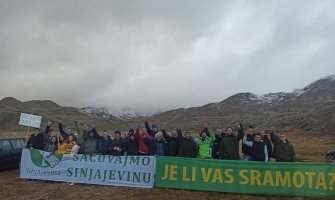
(10, 100)
(331, 78)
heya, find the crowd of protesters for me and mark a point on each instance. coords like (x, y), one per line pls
(149, 140)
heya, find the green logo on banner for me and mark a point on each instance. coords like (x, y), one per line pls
(44, 159)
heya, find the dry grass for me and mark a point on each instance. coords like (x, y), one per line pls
(309, 148)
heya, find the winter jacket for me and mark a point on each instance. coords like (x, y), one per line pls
(188, 148)
(131, 147)
(173, 144)
(284, 151)
(204, 146)
(229, 148)
(116, 143)
(103, 144)
(36, 141)
(259, 151)
(91, 145)
(61, 148)
(69, 146)
(143, 148)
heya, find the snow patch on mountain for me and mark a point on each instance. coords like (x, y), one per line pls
(110, 113)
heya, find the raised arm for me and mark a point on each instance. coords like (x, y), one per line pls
(61, 130)
(149, 130)
(166, 135)
(274, 138)
(240, 131)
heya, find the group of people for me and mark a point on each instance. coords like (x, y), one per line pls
(222, 144)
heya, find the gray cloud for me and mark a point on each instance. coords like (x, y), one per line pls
(159, 55)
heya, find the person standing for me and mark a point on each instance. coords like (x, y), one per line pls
(267, 142)
(131, 144)
(116, 147)
(284, 149)
(229, 148)
(187, 147)
(258, 151)
(143, 148)
(103, 143)
(36, 140)
(204, 145)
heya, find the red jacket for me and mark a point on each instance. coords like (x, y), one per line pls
(142, 147)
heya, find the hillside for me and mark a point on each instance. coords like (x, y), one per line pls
(311, 109)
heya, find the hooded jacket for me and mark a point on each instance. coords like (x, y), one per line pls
(204, 146)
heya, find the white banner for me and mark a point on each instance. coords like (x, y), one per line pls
(132, 171)
(30, 120)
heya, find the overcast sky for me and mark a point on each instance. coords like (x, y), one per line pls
(150, 56)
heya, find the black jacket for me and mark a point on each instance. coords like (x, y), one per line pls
(229, 148)
(116, 143)
(131, 147)
(216, 146)
(188, 148)
(36, 142)
(103, 144)
(172, 143)
(257, 151)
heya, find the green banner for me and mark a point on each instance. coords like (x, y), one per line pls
(286, 179)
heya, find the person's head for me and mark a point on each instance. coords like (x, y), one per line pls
(154, 128)
(262, 133)
(37, 131)
(229, 130)
(144, 131)
(258, 137)
(203, 134)
(282, 137)
(159, 136)
(117, 135)
(250, 131)
(70, 138)
(131, 131)
(68, 130)
(91, 134)
(53, 139)
(187, 135)
(105, 133)
(61, 138)
(174, 134)
(132, 136)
